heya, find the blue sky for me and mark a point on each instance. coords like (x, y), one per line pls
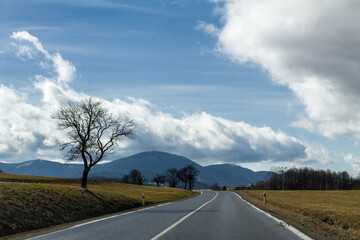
(186, 58)
(149, 51)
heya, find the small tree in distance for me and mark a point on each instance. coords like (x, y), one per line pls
(191, 174)
(188, 176)
(135, 177)
(159, 179)
(182, 174)
(215, 187)
(125, 178)
(91, 130)
(172, 177)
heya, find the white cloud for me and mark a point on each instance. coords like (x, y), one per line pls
(353, 161)
(26, 52)
(25, 36)
(26, 130)
(205, 137)
(29, 46)
(23, 126)
(207, 28)
(309, 46)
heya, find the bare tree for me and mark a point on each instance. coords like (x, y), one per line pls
(159, 179)
(188, 175)
(91, 130)
(191, 174)
(172, 177)
(182, 175)
(135, 177)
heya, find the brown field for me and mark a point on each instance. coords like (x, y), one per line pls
(320, 214)
(31, 202)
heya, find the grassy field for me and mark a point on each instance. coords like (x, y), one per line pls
(320, 214)
(30, 202)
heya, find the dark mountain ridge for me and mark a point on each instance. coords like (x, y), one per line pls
(149, 163)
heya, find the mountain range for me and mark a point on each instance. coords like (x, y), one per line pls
(149, 163)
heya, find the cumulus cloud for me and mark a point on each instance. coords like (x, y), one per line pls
(26, 130)
(205, 137)
(309, 46)
(23, 126)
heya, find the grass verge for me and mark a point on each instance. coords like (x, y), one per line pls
(28, 202)
(320, 214)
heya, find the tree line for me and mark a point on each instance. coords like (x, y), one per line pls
(307, 179)
(216, 187)
(173, 176)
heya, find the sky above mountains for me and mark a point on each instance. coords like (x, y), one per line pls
(256, 83)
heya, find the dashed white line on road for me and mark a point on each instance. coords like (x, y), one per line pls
(182, 219)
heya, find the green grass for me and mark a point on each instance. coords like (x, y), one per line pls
(30, 202)
(335, 213)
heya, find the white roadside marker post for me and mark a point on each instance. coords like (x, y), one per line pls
(264, 197)
(143, 199)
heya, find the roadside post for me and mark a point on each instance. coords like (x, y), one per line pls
(143, 199)
(264, 197)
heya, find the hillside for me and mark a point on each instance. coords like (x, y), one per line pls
(30, 202)
(229, 175)
(149, 163)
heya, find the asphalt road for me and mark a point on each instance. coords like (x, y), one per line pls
(212, 215)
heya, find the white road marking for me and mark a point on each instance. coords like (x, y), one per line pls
(98, 220)
(285, 224)
(182, 219)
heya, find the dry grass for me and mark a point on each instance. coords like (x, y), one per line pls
(30, 202)
(333, 214)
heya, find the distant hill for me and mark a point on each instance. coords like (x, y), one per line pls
(43, 168)
(149, 163)
(232, 175)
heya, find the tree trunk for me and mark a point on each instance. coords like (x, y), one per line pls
(84, 177)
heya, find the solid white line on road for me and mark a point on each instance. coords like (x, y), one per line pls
(182, 219)
(98, 220)
(291, 228)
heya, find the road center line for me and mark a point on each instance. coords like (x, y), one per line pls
(97, 220)
(182, 219)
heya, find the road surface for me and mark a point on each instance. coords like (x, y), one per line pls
(211, 215)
